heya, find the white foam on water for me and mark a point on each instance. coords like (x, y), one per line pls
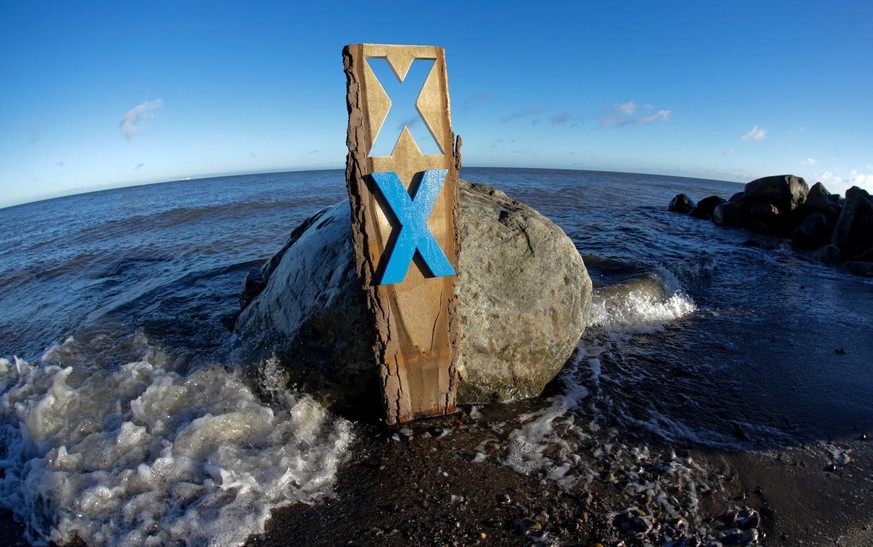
(840, 455)
(639, 312)
(143, 455)
(548, 439)
(567, 443)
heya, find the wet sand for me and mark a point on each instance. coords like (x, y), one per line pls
(422, 486)
(803, 495)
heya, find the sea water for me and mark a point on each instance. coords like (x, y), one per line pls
(123, 419)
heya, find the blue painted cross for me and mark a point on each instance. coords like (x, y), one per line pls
(403, 112)
(414, 235)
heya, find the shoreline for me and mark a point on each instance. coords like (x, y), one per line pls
(426, 485)
(418, 488)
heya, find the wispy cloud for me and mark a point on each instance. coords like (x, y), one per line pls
(659, 116)
(629, 113)
(755, 134)
(729, 152)
(141, 112)
(560, 118)
(409, 122)
(628, 108)
(809, 161)
(532, 111)
(469, 102)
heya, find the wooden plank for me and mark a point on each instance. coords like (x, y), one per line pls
(416, 320)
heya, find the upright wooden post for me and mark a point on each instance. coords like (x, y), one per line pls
(404, 223)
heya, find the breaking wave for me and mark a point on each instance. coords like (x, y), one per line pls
(142, 454)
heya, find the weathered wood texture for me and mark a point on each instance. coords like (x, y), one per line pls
(416, 321)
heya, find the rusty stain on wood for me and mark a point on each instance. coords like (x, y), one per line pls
(417, 340)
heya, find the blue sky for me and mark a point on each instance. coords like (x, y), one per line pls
(116, 93)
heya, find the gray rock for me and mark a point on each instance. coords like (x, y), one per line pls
(681, 204)
(523, 289)
(706, 207)
(524, 295)
(731, 214)
(786, 192)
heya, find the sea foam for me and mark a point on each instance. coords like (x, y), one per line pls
(145, 455)
(639, 307)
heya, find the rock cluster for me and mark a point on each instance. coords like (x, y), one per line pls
(828, 227)
(523, 295)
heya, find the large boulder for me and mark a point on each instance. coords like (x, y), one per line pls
(682, 204)
(814, 232)
(851, 231)
(766, 213)
(731, 214)
(706, 207)
(819, 200)
(524, 295)
(785, 192)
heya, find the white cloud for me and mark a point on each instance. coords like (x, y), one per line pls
(729, 152)
(839, 184)
(627, 108)
(141, 112)
(755, 134)
(623, 114)
(659, 116)
(808, 161)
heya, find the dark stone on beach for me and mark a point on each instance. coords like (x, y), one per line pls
(785, 192)
(819, 200)
(857, 267)
(857, 205)
(706, 207)
(813, 233)
(731, 214)
(836, 231)
(524, 296)
(829, 254)
(681, 204)
(765, 213)
(758, 227)
(865, 256)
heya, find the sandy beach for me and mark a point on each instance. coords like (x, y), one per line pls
(424, 484)
(424, 488)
